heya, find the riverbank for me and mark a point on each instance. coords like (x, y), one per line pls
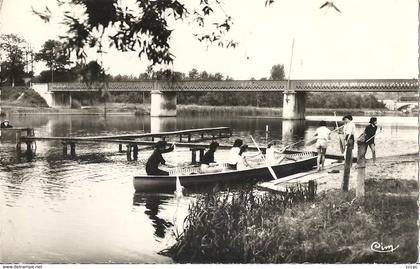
(333, 228)
(141, 109)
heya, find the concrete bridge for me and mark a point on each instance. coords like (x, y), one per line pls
(164, 93)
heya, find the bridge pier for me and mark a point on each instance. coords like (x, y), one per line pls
(162, 104)
(294, 105)
(61, 99)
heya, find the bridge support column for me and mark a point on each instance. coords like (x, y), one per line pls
(294, 105)
(61, 99)
(162, 104)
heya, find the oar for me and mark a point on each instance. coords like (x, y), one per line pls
(340, 137)
(179, 187)
(380, 131)
(313, 140)
(268, 166)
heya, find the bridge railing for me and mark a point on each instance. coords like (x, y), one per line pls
(367, 85)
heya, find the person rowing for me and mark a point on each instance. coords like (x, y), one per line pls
(234, 153)
(152, 165)
(208, 165)
(270, 155)
(237, 158)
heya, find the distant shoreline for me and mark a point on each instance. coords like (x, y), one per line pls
(139, 109)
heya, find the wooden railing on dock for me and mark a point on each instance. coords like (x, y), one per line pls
(133, 145)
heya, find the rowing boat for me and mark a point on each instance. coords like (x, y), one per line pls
(152, 183)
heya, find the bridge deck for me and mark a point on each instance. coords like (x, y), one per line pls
(352, 85)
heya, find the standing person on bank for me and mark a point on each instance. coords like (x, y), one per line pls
(322, 134)
(349, 131)
(156, 158)
(370, 132)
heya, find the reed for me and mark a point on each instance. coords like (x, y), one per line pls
(247, 227)
(270, 111)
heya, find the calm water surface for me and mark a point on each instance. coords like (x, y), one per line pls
(84, 210)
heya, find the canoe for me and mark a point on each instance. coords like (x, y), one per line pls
(146, 183)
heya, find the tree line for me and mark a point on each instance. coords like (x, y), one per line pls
(17, 66)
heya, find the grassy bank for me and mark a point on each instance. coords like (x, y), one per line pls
(287, 228)
(272, 112)
(31, 105)
(16, 108)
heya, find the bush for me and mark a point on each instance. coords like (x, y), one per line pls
(287, 228)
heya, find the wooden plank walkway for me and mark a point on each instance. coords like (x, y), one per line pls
(281, 184)
(217, 132)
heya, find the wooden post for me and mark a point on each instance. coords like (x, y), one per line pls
(64, 149)
(180, 138)
(72, 149)
(361, 169)
(28, 146)
(193, 156)
(348, 159)
(201, 154)
(18, 141)
(120, 148)
(135, 152)
(129, 153)
(311, 190)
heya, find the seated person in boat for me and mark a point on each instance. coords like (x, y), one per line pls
(238, 161)
(270, 155)
(5, 124)
(152, 165)
(208, 165)
(233, 154)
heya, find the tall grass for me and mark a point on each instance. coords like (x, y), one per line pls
(287, 228)
(269, 111)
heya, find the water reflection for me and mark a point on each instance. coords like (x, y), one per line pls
(162, 124)
(152, 203)
(292, 129)
(78, 200)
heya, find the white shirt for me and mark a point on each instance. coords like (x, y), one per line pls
(234, 157)
(323, 133)
(270, 157)
(349, 129)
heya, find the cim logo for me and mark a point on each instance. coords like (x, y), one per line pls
(380, 247)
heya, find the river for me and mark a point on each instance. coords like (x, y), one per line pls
(84, 210)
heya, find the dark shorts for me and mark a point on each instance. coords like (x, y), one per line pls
(232, 166)
(157, 172)
(350, 140)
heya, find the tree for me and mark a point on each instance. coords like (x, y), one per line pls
(193, 74)
(277, 72)
(56, 58)
(54, 54)
(12, 56)
(146, 27)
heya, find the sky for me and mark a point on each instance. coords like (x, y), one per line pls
(369, 39)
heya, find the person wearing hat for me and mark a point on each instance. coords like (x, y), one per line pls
(6, 124)
(370, 132)
(349, 130)
(208, 165)
(152, 165)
